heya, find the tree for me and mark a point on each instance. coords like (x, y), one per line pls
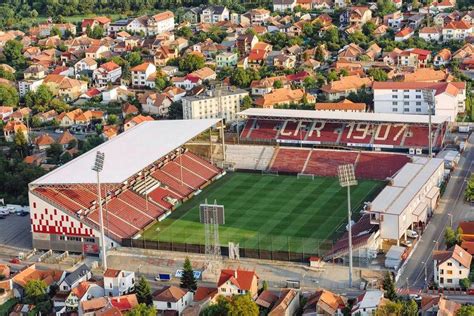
(6, 74)
(415, 4)
(35, 291)
(450, 237)
(378, 74)
(185, 32)
(469, 193)
(8, 95)
(242, 305)
(277, 84)
(369, 28)
(385, 7)
(219, 309)
(190, 63)
(143, 292)
(134, 58)
(246, 103)
(55, 31)
(40, 99)
(142, 310)
(175, 111)
(13, 53)
(112, 119)
(466, 310)
(21, 143)
(58, 105)
(97, 32)
(332, 75)
(410, 308)
(161, 81)
(309, 83)
(389, 309)
(319, 54)
(265, 285)
(465, 283)
(389, 287)
(187, 279)
(54, 152)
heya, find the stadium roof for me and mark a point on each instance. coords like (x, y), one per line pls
(348, 116)
(128, 153)
(406, 185)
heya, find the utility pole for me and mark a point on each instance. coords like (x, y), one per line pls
(98, 166)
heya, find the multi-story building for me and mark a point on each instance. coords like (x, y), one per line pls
(118, 282)
(141, 73)
(160, 23)
(107, 73)
(284, 5)
(214, 14)
(226, 60)
(451, 266)
(25, 86)
(457, 30)
(259, 16)
(218, 103)
(407, 98)
(85, 64)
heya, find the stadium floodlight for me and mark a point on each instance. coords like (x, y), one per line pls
(429, 99)
(347, 179)
(97, 167)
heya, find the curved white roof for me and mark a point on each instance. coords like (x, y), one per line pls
(129, 152)
(339, 115)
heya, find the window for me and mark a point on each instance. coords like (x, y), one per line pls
(394, 90)
(449, 272)
(395, 103)
(394, 96)
(406, 103)
(418, 90)
(418, 109)
(62, 237)
(418, 96)
(449, 280)
(394, 110)
(418, 103)
(406, 91)
(441, 271)
(450, 264)
(169, 305)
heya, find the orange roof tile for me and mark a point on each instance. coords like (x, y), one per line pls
(241, 278)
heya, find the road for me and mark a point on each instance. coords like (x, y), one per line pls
(451, 204)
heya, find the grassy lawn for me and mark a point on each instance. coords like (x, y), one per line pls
(268, 212)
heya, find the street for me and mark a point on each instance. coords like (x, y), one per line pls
(452, 208)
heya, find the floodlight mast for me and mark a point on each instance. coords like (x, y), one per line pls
(98, 166)
(347, 179)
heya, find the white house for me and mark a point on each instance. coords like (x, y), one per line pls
(24, 86)
(430, 33)
(85, 64)
(141, 73)
(224, 103)
(451, 266)
(107, 73)
(237, 282)
(407, 98)
(84, 291)
(172, 298)
(118, 282)
(214, 14)
(283, 5)
(157, 103)
(160, 23)
(457, 30)
(367, 303)
(187, 83)
(82, 273)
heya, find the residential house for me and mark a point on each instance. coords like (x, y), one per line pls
(350, 52)
(205, 73)
(367, 303)
(407, 98)
(141, 73)
(214, 14)
(108, 72)
(118, 282)
(324, 302)
(109, 132)
(44, 141)
(217, 103)
(87, 65)
(438, 305)
(44, 29)
(283, 96)
(340, 4)
(287, 304)
(393, 20)
(49, 277)
(172, 298)
(116, 93)
(12, 128)
(404, 34)
(245, 43)
(187, 82)
(118, 26)
(175, 93)
(65, 140)
(451, 266)
(157, 104)
(35, 71)
(65, 87)
(226, 59)
(129, 109)
(341, 88)
(160, 23)
(322, 4)
(413, 57)
(427, 75)
(284, 61)
(304, 4)
(163, 54)
(99, 21)
(430, 33)
(442, 58)
(457, 30)
(191, 15)
(5, 112)
(259, 15)
(344, 106)
(237, 282)
(267, 299)
(138, 25)
(284, 5)
(134, 121)
(266, 85)
(356, 15)
(83, 291)
(45, 117)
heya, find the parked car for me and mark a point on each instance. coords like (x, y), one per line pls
(15, 260)
(412, 233)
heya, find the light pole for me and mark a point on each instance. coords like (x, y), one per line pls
(436, 244)
(450, 219)
(426, 275)
(97, 167)
(347, 179)
(429, 99)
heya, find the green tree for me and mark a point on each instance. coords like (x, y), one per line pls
(58, 105)
(450, 237)
(97, 32)
(112, 119)
(55, 31)
(35, 291)
(142, 310)
(415, 4)
(6, 75)
(190, 63)
(319, 54)
(465, 283)
(143, 291)
(309, 83)
(134, 58)
(187, 279)
(161, 81)
(385, 7)
(332, 75)
(265, 285)
(21, 144)
(389, 287)
(40, 99)
(175, 112)
(185, 32)
(277, 84)
(8, 95)
(246, 103)
(390, 309)
(469, 193)
(369, 28)
(466, 310)
(221, 308)
(410, 308)
(13, 53)
(54, 152)
(378, 74)
(243, 305)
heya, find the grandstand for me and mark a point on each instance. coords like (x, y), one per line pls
(385, 132)
(139, 188)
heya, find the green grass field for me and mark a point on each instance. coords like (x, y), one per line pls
(268, 212)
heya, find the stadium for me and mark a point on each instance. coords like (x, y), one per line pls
(279, 188)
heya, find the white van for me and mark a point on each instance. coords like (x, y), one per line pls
(412, 233)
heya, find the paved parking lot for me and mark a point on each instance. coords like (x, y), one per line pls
(15, 231)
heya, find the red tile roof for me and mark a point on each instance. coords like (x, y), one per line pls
(240, 278)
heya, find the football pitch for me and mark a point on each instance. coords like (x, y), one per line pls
(268, 212)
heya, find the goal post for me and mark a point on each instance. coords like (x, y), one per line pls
(305, 176)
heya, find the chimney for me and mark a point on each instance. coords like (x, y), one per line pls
(235, 273)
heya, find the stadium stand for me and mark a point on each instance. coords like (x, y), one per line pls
(248, 157)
